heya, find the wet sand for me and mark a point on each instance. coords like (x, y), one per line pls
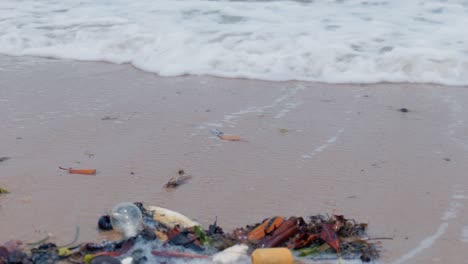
(310, 148)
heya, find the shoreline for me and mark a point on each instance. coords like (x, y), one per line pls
(220, 77)
(311, 148)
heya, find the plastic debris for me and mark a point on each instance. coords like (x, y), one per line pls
(80, 171)
(158, 235)
(179, 180)
(170, 218)
(230, 137)
(272, 256)
(232, 255)
(223, 136)
(3, 191)
(126, 218)
(268, 226)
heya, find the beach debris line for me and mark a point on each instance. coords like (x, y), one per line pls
(159, 235)
(80, 171)
(180, 179)
(223, 136)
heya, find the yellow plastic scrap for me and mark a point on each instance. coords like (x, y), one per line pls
(64, 252)
(87, 258)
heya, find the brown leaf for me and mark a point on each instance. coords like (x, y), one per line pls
(304, 240)
(329, 235)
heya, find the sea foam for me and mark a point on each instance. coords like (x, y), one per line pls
(327, 41)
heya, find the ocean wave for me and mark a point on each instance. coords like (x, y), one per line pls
(326, 41)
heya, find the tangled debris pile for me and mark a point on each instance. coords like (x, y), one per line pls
(158, 235)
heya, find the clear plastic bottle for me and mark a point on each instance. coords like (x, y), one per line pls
(126, 218)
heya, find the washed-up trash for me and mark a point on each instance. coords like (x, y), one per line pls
(223, 136)
(104, 223)
(232, 255)
(80, 171)
(170, 218)
(283, 233)
(179, 180)
(126, 218)
(3, 191)
(176, 254)
(158, 235)
(272, 256)
(267, 227)
(230, 137)
(187, 238)
(4, 159)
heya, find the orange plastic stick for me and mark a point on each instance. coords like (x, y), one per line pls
(268, 226)
(80, 171)
(230, 137)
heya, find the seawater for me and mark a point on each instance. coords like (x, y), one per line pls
(347, 41)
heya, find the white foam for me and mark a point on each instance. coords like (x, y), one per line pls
(324, 146)
(328, 41)
(232, 118)
(288, 107)
(424, 244)
(457, 125)
(464, 235)
(449, 214)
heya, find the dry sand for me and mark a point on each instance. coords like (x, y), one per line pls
(312, 148)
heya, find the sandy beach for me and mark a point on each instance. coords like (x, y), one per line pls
(310, 148)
